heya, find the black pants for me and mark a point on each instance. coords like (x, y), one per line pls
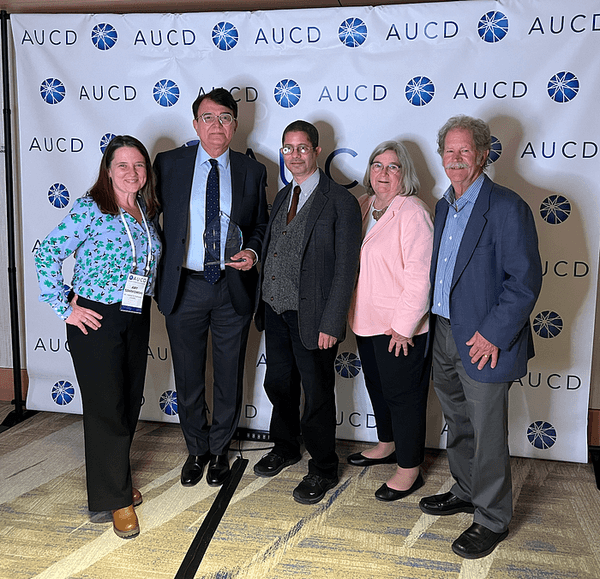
(398, 388)
(288, 364)
(110, 365)
(203, 307)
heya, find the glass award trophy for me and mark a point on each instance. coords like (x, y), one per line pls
(222, 233)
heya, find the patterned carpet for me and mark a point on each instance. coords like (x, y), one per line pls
(47, 532)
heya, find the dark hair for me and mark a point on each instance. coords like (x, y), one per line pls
(102, 191)
(410, 181)
(221, 97)
(302, 127)
(479, 130)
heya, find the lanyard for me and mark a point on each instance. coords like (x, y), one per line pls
(149, 256)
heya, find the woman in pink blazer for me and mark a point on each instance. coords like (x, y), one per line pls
(389, 315)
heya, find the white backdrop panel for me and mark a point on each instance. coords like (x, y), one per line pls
(362, 75)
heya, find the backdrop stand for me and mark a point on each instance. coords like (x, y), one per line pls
(19, 413)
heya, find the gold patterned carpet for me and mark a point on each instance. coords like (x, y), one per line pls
(47, 532)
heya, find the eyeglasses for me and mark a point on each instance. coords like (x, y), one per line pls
(224, 118)
(302, 149)
(379, 167)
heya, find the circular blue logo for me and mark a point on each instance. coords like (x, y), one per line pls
(547, 324)
(104, 36)
(541, 434)
(58, 195)
(63, 392)
(493, 26)
(106, 138)
(563, 87)
(555, 209)
(225, 36)
(287, 93)
(495, 151)
(168, 402)
(165, 93)
(352, 32)
(52, 91)
(347, 365)
(419, 91)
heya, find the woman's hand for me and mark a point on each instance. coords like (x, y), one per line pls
(82, 317)
(398, 342)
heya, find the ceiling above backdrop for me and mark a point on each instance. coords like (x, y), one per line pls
(176, 6)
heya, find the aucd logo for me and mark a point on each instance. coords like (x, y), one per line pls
(352, 32)
(563, 87)
(495, 150)
(541, 434)
(104, 36)
(555, 209)
(53, 91)
(63, 392)
(166, 93)
(493, 26)
(347, 365)
(58, 195)
(106, 138)
(548, 324)
(225, 36)
(168, 402)
(287, 93)
(419, 91)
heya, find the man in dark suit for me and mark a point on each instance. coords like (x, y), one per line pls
(486, 277)
(310, 259)
(196, 291)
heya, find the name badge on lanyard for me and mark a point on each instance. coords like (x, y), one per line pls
(135, 286)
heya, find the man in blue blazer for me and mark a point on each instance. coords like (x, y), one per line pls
(486, 276)
(308, 270)
(197, 293)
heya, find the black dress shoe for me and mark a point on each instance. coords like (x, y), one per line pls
(313, 488)
(477, 541)
(272, 464)
(445, 504)
(359, 459)
(218, 470)
(192, 470)
(385, 493)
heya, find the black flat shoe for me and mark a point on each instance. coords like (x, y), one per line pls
(385, 493)
(358, 459)
(218, 470)
(477, 541)
(192, 470)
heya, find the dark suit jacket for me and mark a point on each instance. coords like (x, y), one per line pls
(174, 174)
(330, 252)
(496, 282)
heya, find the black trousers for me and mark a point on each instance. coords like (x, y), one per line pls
(398, 388)
(202, 307)
(290, 364)
(110, 365)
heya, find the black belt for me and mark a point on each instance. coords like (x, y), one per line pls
(198, 274)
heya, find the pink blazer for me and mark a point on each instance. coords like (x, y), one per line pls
(393, 285)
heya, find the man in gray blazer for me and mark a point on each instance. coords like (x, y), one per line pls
(310, 258)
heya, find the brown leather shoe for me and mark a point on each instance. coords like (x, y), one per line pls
(125, 522)
(137, 497)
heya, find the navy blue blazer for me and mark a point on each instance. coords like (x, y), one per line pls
(496, 282)
(174, 174)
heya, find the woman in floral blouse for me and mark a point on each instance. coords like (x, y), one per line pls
(107, 312)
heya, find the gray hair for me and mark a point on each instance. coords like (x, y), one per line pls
(478, 128)
(410, 181)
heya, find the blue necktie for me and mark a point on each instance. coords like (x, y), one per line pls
(212, 272)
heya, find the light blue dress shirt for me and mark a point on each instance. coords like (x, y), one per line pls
(194, 257)
(454, 229)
